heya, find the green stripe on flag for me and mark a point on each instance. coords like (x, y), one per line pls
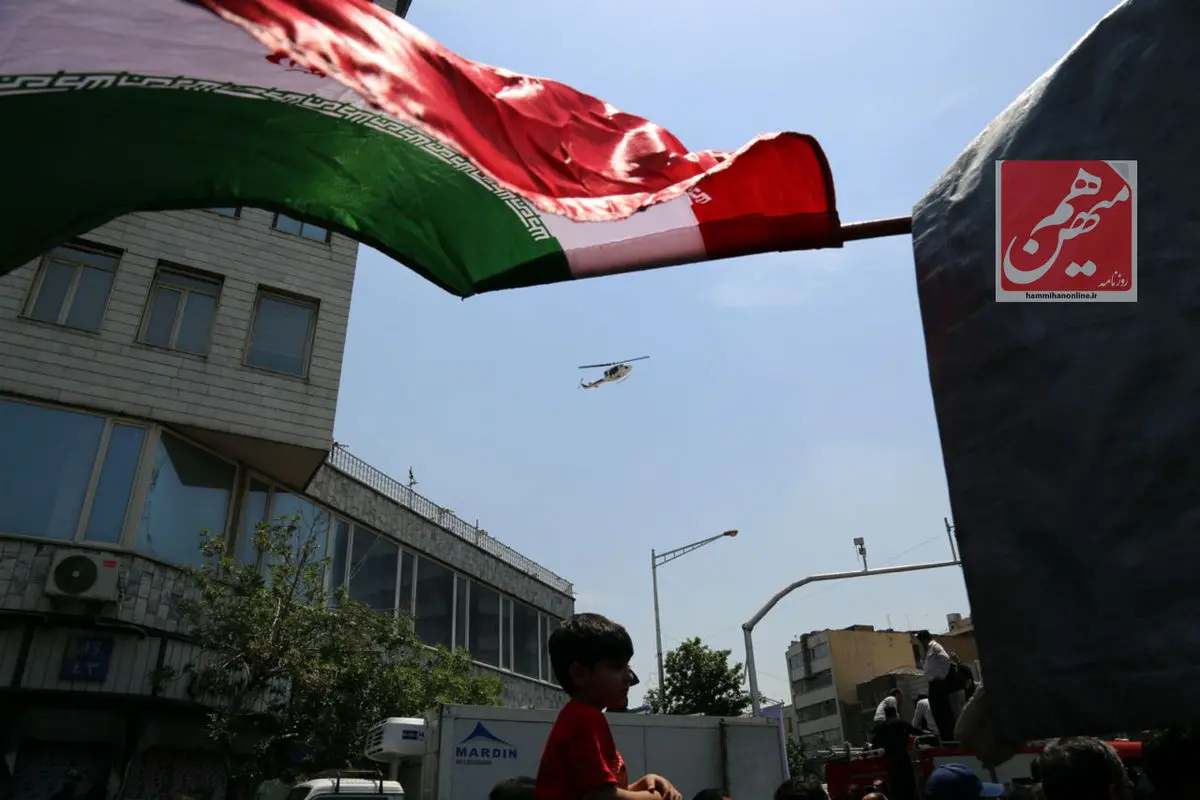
(79, 157)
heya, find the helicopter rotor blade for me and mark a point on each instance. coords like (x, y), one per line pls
(614, 363)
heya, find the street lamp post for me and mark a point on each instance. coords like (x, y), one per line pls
(657, 560)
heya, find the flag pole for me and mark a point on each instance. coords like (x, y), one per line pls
(876, 229)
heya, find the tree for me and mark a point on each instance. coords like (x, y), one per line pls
(797, 763)
(294, 676)
(699, 680)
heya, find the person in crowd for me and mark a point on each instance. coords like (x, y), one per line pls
(801, 788)
(875, 796)
(711, 794)
(1169, 760)
(892, 736)
(937, 672)
(590, 655)
(959, 782)
(923, 716)
(1083, 768)
(518, 788)
(893, 699)
(956, 682)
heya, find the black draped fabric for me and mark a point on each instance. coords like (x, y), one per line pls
(1071, 431)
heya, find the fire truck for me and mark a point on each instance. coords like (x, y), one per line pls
(863, 767)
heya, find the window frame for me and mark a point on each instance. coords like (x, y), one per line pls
(89, 497)
(312, 303)
(167, 267)
(327, 241)
(142, 491)
(234, 527)
(39, 278)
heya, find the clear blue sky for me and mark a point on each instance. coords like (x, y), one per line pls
(787, 395)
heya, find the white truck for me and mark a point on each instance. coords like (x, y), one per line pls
(461, 752)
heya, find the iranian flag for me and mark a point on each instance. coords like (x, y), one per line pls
(338, 112)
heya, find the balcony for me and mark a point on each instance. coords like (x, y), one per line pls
(354, 467)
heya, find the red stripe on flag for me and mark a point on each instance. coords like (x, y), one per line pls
(777, 195)
(567, 152)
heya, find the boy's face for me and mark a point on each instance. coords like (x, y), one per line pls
(605, 685)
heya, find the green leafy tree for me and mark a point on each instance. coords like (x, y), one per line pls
(797, 763)
(295, 676)
(699, 680)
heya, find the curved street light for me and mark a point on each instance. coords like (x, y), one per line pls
(656, 561)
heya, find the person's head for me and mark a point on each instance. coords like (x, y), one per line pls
(895, 694)
(922, 696)
(958, 782)
(518, 788)
(712, 794)
(924, 637)
(590, 656)
(1083, 768)
(798, 788)
(1169, 758)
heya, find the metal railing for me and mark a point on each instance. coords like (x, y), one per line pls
(352, 466)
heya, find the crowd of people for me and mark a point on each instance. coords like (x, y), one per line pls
(590, 657)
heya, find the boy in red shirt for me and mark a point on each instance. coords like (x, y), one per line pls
(590, 656)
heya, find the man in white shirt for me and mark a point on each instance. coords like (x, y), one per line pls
(893, 700)
(937, 669)
(923, 716)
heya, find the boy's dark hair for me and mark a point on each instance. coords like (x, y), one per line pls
(712, 794)
(896, 693)
(586, 639)
(518, 788)
(922, 696)
(1080, 768)
(799, 788)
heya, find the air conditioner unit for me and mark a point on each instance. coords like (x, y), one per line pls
(84, 575)
(396, 739)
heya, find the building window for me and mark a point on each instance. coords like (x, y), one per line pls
(549, 625)
(818, 651)
(373, 564)
(407, 564)
(54, 458)
(485, 625)
(72, 287)
(281, 333)
(180, 311)
(818, 680)
(821, 710)
(526, 641)
(110, 502)
(340, 563)
(226, 212)
(435, 603)
(506, 618)
(312, 521)
(462, 595)
(306, 229)
(255, 508)
(190, 491)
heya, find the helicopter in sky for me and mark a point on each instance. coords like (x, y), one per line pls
(614, 372)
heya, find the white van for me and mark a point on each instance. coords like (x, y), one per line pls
(347, 785)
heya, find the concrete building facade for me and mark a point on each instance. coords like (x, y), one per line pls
(176, 371)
